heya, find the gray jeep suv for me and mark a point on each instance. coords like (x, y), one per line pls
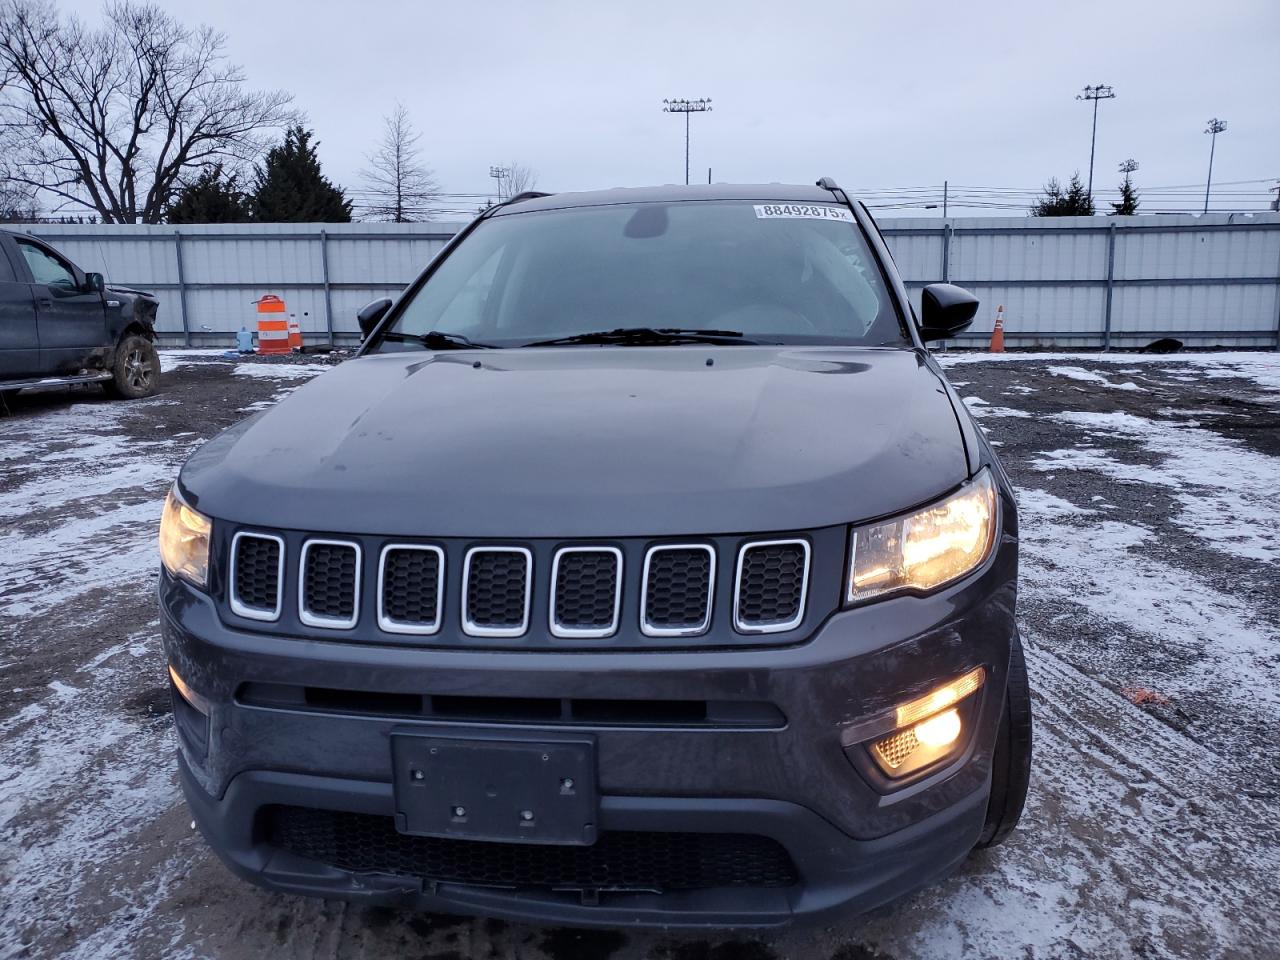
(643, 568)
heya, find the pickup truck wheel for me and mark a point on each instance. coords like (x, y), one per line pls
(136, 372)
(1011, 764)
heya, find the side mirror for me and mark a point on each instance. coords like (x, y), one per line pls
(93, 283)
(371, 313)
(945, 310)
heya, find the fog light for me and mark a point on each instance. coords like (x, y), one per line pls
(939, 731)
(929, 728)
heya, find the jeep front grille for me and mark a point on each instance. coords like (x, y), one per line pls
(257, 575)
(772, 581)
(679, 580)
(586, 591)
(496, 588)
(329, 588)
(627, 592)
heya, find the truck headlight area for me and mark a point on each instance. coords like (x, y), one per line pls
(184, 541)
(925, 549)
(928, 728)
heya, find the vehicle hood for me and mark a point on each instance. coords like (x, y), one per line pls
(590, 442)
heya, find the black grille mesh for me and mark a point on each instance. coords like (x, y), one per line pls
(410, 579)
(677, 590)
(617, 861)
(257, 572)
(585, 589)
(771, 584)
(329, 581)
(495, 588)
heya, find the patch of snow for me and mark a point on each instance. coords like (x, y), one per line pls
(1088, 376)
(1106, 566)
(281, 371)
(1225, 489)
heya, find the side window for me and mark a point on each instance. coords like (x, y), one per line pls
(7, 274)
(47, 268)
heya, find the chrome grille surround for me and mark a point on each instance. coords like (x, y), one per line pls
(480, 630)
(651, 630)
(386, 622)
(320, 620)
(772, 626)
(565, 631)
(242, 609)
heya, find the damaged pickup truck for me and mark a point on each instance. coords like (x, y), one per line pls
(60, 325)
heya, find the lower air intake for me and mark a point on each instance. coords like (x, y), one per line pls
(618, 861)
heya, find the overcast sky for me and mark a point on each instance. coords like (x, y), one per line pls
(876, 95)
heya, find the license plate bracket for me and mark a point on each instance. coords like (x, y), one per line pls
(501, 788)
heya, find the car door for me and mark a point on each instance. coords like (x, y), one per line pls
(19, 346)
(71, 322)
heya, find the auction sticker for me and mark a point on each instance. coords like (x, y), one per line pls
(803, 211)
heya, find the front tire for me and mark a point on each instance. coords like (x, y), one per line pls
(1011, 762)
(136, 371)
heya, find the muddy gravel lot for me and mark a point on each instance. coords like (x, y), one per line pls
(1149, 489)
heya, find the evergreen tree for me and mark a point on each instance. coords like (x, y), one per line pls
(212, 197)
(1056, 202)
(1128, 204)
(289, 187)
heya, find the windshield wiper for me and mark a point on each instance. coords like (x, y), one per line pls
(647, 336)
(438, 340)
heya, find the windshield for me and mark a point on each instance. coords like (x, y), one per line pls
(774, 273)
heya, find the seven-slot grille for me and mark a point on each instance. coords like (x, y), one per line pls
(773, 577)
(496, 586)
(329, 588)
(257, 568)
(586, 591)
(677, 587)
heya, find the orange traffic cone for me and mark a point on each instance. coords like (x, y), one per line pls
(997, 333)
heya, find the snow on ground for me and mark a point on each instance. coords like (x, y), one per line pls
(1227, 491)
(282, 371)
(1150, 832)
(1090, 376)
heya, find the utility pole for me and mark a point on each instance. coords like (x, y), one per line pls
(945, 185)
(701, 105)
(1214, 128)
(1095, 93)
(499, 174)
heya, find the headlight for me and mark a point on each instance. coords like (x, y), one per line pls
(184, 541)
(925, 549)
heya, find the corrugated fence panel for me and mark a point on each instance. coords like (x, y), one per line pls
(1207, 280)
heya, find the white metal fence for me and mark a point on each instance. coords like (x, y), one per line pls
(1072, 281)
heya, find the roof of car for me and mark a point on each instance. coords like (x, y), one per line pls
(673, 193)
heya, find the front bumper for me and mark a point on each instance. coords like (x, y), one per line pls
(854, 842)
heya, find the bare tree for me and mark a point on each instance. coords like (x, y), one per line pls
(112, 120)
(398, 186)
(517, 179)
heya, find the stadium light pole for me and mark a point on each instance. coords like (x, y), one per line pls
(701, 105)
(1095, 93)
(1214, 128)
